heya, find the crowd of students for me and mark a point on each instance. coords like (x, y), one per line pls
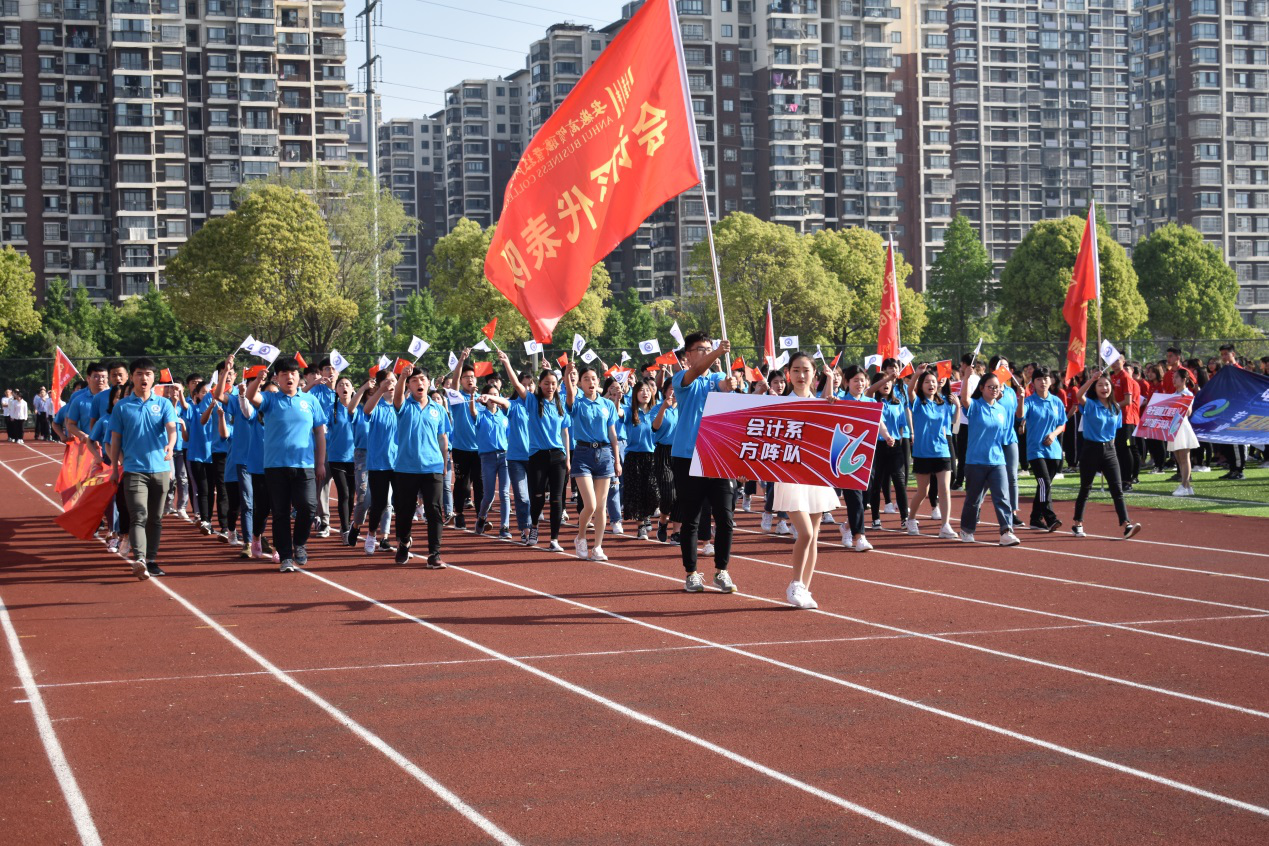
(245, 449)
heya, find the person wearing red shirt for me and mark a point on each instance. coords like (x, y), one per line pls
(1128, 397)
(1152, 383)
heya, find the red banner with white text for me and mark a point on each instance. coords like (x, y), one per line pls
(1161, 419)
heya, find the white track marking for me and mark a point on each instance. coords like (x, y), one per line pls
(79, 811)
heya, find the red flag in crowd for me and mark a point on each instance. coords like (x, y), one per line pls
(63, 372)
(1086, 284)
(944, 368)
(621, 144)
(299, 358)
(489, 328)
(888, 333)
(483, 368)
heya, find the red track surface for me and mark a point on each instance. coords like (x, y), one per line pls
(1057, 693)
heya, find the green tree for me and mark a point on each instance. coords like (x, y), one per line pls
(457, 270)
(1034, 282)
(1192, 290)
(760, 261)
(17, 294)
(630, 321)
(960, 283)
(265, 268)
(420, 316)
(856, 258)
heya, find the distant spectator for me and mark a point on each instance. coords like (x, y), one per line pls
(15, 413)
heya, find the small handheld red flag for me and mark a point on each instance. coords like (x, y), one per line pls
(299, 358)
(668, 358)
(483, 368)
(755, 375)
(165, 376)
(562, 361)
(401, 364)
(490, 328)
(739, 363)
(836, 359)
(944, 368)
(1004, 374)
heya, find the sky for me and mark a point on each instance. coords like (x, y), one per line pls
(426, 46)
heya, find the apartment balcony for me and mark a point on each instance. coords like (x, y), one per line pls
(291, 19)
(133, 7)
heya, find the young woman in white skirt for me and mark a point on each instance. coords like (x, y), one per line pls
(1185, 439)
(805, 504)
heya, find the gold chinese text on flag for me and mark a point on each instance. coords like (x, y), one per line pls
(620, 145)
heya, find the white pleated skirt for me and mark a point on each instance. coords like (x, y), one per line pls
(813, 499)
(1185, 437)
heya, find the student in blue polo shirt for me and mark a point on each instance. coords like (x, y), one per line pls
(518, 455)
(931, 454)
(381, 459)
(665, 419)
(198, 453)
(319, 382)
(1102, 419)
(597, 456)
(116, 376)
(60, 432)
(294, 460)
(143, 435)
(492, 424)
(1045, 417)
(340, 439)
(422, 440)
(990, 421)
(889, 463)
(548, 425)
(260, 502)
(692, 386)
(466, 451)
(79, 411)
(238, 479)
(226, 515)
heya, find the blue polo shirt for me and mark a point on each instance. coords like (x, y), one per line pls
(929, 424)
(419, 428)
(218, 444)
(142, 427)
(197, 446)
(1043, 416)
(592, 419)
(894, 415)
(100, 402)
(255, 452)
(180, 439)
(517, 431)
(665, 435)
(491, 429)
(339, 434)
(288, 429)
(900, 392)
(691, 398)
(244, 434)
(381, 436)
(1100, 424)
(100, 435)
(81, 409)
(988, 424)
(464, 425)
(546, 424)
(64, 411)
(1009, 400)
(361, 428)
(639, 436)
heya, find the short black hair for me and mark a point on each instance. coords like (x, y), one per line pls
(286, 365)
(1039, 372)
(382, 374)
(1227, 348)
(1264, 359)
(694, 339)
(1174, 351)
(119, 364)
(97, 367)
(967, 358)
(324, 363)
(142, 364)
(468, 367)
(852, 371)
(308, 371)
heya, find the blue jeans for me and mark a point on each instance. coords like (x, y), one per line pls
(1011, 473)
(495, 477)
(978, 479)
(246, 500)
(518, 472)
(614, 500)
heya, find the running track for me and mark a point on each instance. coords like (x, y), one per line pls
(1095, 691)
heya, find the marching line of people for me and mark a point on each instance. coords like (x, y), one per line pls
(241, 448)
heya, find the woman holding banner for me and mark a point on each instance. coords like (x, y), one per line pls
(890, 463)
(1102, 419)
(805, 504)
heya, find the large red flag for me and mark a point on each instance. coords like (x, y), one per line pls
(63, 372)
(621, 144)
(1086, 284)
(888, 331)
(768, 342)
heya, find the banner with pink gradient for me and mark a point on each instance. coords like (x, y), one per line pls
(785, 439)
(1161, 419)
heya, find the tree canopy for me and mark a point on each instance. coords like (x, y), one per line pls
(960, 285)
(857, 258)
(17, 293)
(1192, 290)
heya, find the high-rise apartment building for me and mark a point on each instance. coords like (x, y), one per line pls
(1200, 123)
(412, 165)
(484, 134)
(358, 131)
(128, 124)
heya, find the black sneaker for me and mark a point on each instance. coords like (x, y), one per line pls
(154, 569)
(460, 522)
(532, 539)
(1038, 526)
(1236, 477)
(301, 556)
(352, 537)
(434, 562)
(1131, 529)
(403, 553)
(266, 546)
(661, 532)
(385, 545)
(1126, 489)
(481, 525)
(1054, 526)
(674, 538)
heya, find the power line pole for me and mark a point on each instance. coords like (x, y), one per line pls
(372, 136)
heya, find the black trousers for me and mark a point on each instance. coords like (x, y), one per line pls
(261, 504)
(201, 484)
(1126, 452)
(1044, 469)
(406, 490)
(291, 488)
(226, 513)
(343, 474)
(548, 473)
(467, 480)
(691, 495)
(889, 465)
(1100, 457)
(962, 446)
(380, 483)
(43, 430)
(1235, 456)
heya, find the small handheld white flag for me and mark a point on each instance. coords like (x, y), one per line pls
(788, 342)
(872, 361)
(338, 362)
(1109, 354)
(453, 360)
(385, 363)
(589, 356)
(781, 360)
(978, 350)
(579, 343)
(418, 346)
(532, 348)
(819, 353)
(249, 345)
(676, 333)
(905, 357)
(483, 346)
(650, 347)
(266, 351)
(625, 356)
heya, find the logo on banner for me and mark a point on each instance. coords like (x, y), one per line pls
(842, 457)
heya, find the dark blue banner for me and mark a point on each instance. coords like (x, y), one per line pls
(1233, 408)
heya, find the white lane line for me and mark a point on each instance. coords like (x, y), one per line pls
(370, 738)
(640, 717)
(605, 653)
(80, 813)
(889, 697)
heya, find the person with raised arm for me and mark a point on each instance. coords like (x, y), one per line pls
(422, 437)
(1102, 419)
(492, 425)
(548, 449)
(381, 459)
(596, 458)
(990, 421)
(466, 451)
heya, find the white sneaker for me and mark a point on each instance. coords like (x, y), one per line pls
(746, 504)
(112, 545)
(947, 532)
(694, 583)
(1183, 490)
(1009, 539)
(1202, 468)
(597, 554)
(324, 531)
(235, 539)
(914, 528)
(783, 528)
(183, 514)
(1057, 477)
(766, 521)
(617, 528)
(936, 514)
(890, 508)
(799, 596)
(848, 540)
(876, 524)
(827, 518)
(369, 545)
(125, 547)
(580, 545)
(862, 544)
(708, 549)
(967, 537)
(554, 546)
(419, 515)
